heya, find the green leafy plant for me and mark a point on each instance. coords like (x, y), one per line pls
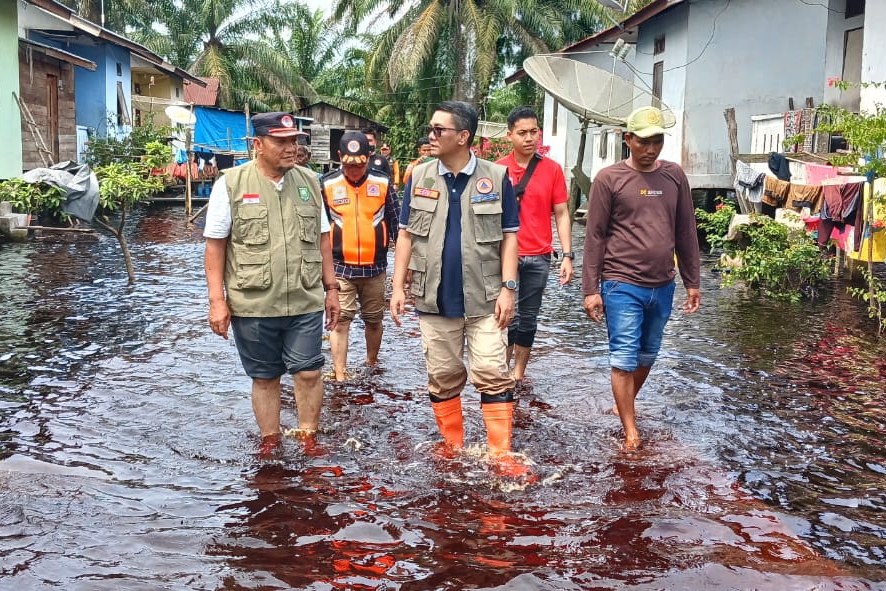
(124, 183)
(33, 198)
(782, 263)
(715, 225)
(874, 293)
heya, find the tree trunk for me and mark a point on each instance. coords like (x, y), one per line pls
(121, 239)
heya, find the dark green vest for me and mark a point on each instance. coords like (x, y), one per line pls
(273, 266)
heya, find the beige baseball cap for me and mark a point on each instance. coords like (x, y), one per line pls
(646, 122)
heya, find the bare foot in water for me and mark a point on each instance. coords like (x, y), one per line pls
(631, 444)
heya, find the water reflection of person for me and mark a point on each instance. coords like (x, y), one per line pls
(267, 260)
(640, 214)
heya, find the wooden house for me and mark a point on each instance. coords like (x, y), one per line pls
(328, 124)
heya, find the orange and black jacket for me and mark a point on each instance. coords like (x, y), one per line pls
(363, 217)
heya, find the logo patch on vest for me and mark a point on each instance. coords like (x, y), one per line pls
(250, 198)
(429, 182)
(373, 190)
(304, 194)
(485, 198)
(484, 185)
(424, 192)
(339, 193)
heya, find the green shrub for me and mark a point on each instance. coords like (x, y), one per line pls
(782, 263)
(34, 198)
(715, 225)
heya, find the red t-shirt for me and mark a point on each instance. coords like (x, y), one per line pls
(546, 188)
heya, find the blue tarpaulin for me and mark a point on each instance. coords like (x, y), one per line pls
(220, 131)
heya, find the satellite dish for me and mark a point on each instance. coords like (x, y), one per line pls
(591, 92)
(180, 115)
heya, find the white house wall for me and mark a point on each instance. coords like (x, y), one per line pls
(873, 64)
(752, 55)
(672, 24)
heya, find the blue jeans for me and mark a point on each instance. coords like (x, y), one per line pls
(532, 273)
(635, 320)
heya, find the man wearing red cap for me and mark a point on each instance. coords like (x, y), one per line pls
(267, 263)
(364, 212)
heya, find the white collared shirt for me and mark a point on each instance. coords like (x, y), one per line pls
(218, 211)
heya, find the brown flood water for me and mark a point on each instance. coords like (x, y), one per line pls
(127, 448)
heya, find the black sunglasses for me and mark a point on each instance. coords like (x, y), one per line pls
(438, 130)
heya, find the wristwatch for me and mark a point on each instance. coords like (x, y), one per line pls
(569, 255)
(510, 284)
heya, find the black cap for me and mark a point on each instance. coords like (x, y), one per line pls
(354, 148)
(276, 124)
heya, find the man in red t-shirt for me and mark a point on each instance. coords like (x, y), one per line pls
(540, 196)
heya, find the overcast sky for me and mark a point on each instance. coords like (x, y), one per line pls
(325, 5)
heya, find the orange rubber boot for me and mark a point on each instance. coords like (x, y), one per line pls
(499, 419)
(450, 421)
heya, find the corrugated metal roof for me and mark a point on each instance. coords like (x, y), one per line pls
(205, 97)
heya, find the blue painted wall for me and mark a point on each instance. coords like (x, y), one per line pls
(96, 92)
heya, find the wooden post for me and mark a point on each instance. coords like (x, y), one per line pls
(732, 132)
(248, 143)
(188, 177)
(575, 188)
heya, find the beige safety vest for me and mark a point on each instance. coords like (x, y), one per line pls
(481, 235)
(273, 265)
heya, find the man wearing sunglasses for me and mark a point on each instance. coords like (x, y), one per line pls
(458, 227)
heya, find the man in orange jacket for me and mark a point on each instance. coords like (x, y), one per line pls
(363, 212)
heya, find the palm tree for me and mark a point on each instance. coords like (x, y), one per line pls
(116, 14)
(460, 41)
(228, 40)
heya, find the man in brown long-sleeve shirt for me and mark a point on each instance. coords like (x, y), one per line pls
(640, 214)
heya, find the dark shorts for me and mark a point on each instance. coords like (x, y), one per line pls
(270, 347)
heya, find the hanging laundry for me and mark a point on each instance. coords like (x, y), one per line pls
(748, 185)
(808, 196)
(779, 166)
(775, 192)
(840, 201)
(873, 236)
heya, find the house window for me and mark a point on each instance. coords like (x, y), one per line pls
(657, 76)
(122, 110)
(119, 69)
(177, 91)
(554, 115)
(854, 8)
(658, 45)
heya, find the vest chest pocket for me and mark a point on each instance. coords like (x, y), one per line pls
(418, 266)
(308, 225)
(421, 214)
(253, 270)
(311, 268)
(487, 221)
(252, 224)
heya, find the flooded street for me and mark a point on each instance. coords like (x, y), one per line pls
(127, 448)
